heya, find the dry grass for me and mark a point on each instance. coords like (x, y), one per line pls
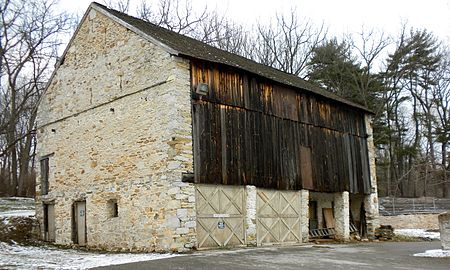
(18, 229)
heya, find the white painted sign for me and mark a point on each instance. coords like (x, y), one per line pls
(221, 215)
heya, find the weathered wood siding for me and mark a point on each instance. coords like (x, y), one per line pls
(251, 131)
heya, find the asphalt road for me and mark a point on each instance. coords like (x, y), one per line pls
(378, 255)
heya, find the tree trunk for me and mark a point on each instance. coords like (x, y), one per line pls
(12, 141)
(24, 176)
(445, 168)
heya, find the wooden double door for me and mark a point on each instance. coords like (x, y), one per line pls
(220, 216)
(278, 217)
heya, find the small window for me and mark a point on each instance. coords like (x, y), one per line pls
(44, 176)
(113, 208)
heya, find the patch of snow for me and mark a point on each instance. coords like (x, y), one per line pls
(418, 233)
(436, 253)
(46, 257)
(18, 213)
(5, 221)
(17, 207)
(17, 199)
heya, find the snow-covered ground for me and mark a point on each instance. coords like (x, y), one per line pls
(18, 213)
(422, 233)
(47, 257)
(16, 206)
(437, 253)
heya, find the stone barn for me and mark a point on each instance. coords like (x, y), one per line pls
(152, 141)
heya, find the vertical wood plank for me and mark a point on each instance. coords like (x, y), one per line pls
(248, 130)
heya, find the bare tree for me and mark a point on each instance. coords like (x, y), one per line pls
(224, 34)
(288, 44)
(174, 15)
(120, 5)
(30, 36)
(369, 46)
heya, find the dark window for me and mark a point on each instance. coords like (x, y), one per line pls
(44, 176)
(116, 210)
(113, 208)
(313, 221)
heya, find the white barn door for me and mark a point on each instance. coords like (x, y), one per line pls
(277, 217)
(220, 216)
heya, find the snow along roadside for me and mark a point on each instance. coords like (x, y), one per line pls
(46, 257)
(434, 253)
(418, 233)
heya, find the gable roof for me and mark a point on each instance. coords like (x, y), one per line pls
(184, 46)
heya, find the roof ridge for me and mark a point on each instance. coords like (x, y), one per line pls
(182, 45)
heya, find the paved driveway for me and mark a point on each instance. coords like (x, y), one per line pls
(379, 256)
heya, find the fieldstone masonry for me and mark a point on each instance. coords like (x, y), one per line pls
(371, 200)
(304, 215)
(340, 204)
(250, 218)
(126, 138)
(444, 227)
(342, 211)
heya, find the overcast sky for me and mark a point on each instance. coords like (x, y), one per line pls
(338, 15)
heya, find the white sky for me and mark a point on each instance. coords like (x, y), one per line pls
(338, 15)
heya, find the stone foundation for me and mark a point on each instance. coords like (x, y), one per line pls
(250, 217)
(304, 220)
(371, 200)
(342, 211)
(339, 202)
(444, 228)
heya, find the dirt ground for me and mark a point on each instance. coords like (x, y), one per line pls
(425, 221)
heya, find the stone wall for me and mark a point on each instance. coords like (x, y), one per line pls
(250, 217)
(342, 218)
(116, 119)
(371, 200)
(444, 228)
(304, 215)
(423, 221)
(340, 204)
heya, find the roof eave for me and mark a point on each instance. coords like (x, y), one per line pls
(102, 9)
(337, 99)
